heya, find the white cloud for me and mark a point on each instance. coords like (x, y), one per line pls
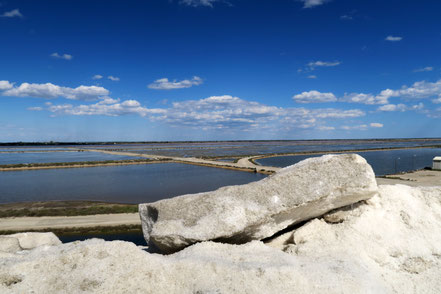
(325, 128)
(393, 107)
(314, 97)
(384, 96)
(97, 77)
(313, 3)
(437, 100)
(51, 91)
(400, 107)
(337, 113)
(5, 85)
(427, 68)
(165, 84)
(62, 56)
(376, 125)
(131, 103)
(313, 64)
(104, 108)
(365, 98)
(108, 100)
(196, 3)
(393, 38)
(312, 77)
(216, 112)
(112, 78)
(37, 108)
(12, 13)
(355, 127)
(419, 90)
(228, 111)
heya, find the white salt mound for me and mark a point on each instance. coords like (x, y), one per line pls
(390, 244)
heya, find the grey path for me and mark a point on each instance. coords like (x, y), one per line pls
(56, 222)
(243, 163)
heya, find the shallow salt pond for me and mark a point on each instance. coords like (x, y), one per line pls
(46, 157)
(126, 184)
(382, 162)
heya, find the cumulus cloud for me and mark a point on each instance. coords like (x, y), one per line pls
(419, 90)
(112, 78)
(222, 111)
(393, 107)
(5, 85)
(376, 125)
(103, 108)
(197, 3)
(423, 69)
(165, 84)
(400, 107)
(216, 112)
(365, 98)
(51, 91)
(97, 77)
(437, 100)
(313, 3)
(337, 113)
(314, 97)
(393, 38)
(12, 13)
(62, 56)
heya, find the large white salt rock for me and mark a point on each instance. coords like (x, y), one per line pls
(239, 214)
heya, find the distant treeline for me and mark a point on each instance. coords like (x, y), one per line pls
(52, 143)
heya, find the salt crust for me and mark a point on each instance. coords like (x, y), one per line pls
(390, 244)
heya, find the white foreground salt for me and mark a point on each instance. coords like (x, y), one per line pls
(391, 244)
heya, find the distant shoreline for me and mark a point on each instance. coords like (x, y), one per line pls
(223, 165)
(214, 141)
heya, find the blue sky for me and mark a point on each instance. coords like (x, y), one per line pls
(217, 69)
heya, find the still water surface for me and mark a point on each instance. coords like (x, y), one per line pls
(261, 147)
(382, 162)
(125, 184)
(45, 157)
